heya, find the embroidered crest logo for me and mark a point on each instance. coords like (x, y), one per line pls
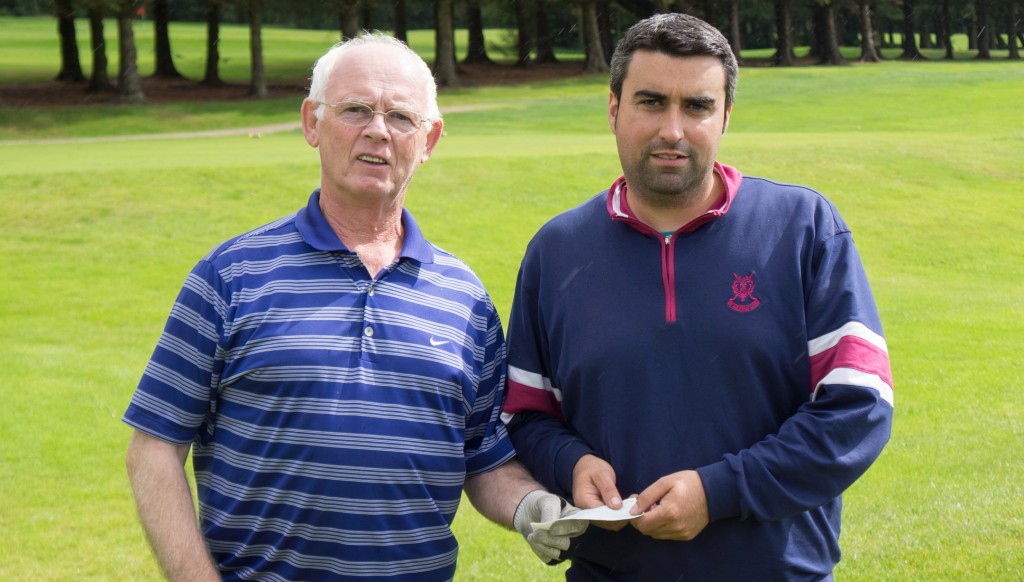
(743, 299)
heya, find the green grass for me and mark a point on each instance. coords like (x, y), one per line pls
(923, 160)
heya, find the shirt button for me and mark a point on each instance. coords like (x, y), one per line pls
(371, 292)
(368, 331)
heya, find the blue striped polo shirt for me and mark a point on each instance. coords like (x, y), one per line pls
(333, 417)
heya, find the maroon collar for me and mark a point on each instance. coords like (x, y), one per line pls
(618, 205)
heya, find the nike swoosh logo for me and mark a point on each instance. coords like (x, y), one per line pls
(436, 342)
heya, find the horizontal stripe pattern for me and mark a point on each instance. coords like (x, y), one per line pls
(351, 568)
(529, 391)
(851, 355)
(334, 417)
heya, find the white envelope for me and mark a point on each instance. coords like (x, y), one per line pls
(603, 513)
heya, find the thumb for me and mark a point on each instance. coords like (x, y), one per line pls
(609, 493)
(650, 496)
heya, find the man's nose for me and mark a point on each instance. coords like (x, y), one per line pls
(377, 127)
(673, 125)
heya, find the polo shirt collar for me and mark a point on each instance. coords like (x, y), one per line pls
(618, 206)
(315, 230)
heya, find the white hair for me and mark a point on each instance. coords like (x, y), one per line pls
(325, 67)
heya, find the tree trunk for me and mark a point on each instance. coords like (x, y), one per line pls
(70, 64)
(945, 31)
(783, 41)
(545, 49)
(258, 84)
(604, 29)
(477, 50)
(830, 42)
(161, 35)
(998, 42)
(401, 27)
(984, 30)
(910, 52)
(735, 29)
(100, 79)
(868, 52)
(521, 8)
(595, 61)
(1011, 28)
(348, 18)
(212, 75)
(926, 35)
(445, 72)
(366, 14)
(817, 44)
(129, 82)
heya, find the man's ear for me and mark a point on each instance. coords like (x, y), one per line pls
(309, 122)
(728, 113)
(433, 136)
(613, 110)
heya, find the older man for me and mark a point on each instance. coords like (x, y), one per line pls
(703, 339)
(336, 377)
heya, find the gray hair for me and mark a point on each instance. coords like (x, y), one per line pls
(679, 35)
(325, 67)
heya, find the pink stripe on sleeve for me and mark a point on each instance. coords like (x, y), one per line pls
(854, 353)
(522, 398)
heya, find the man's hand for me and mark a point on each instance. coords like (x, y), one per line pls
(539, 507)
(593, 485)
(676, 507)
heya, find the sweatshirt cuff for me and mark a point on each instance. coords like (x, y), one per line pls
(721, 490)
(565, 462)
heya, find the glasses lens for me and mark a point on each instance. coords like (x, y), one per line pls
(360, 115)
(402, 121)
(354, 114)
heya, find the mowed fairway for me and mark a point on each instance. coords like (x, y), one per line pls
(922, 159)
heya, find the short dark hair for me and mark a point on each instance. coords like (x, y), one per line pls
(679, 35)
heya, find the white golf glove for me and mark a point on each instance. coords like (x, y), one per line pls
(539, 506)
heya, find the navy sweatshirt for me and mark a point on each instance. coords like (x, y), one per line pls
(746, 346)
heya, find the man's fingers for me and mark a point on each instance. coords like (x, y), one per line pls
(650, 496)
(546, 540)
(605, 483)
(547, 548)
(550, 508)
(593, 483)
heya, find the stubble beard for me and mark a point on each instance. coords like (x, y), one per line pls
(661, 188)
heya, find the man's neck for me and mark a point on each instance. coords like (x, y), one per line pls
(670, 217)
(371, 230)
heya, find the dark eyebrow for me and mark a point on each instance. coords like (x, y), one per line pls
(643, 94)
(703, 101)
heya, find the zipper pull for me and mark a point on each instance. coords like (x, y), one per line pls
(668, 239)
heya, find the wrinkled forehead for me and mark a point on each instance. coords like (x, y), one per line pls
(379, 74)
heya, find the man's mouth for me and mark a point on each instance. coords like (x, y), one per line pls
(372, 159)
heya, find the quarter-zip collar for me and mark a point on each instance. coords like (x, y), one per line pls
(618, 209)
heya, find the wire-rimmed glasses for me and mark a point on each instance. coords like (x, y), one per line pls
(360, 115)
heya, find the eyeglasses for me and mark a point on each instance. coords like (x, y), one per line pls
(360, 115)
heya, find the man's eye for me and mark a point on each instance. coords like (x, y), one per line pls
(401, 116)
